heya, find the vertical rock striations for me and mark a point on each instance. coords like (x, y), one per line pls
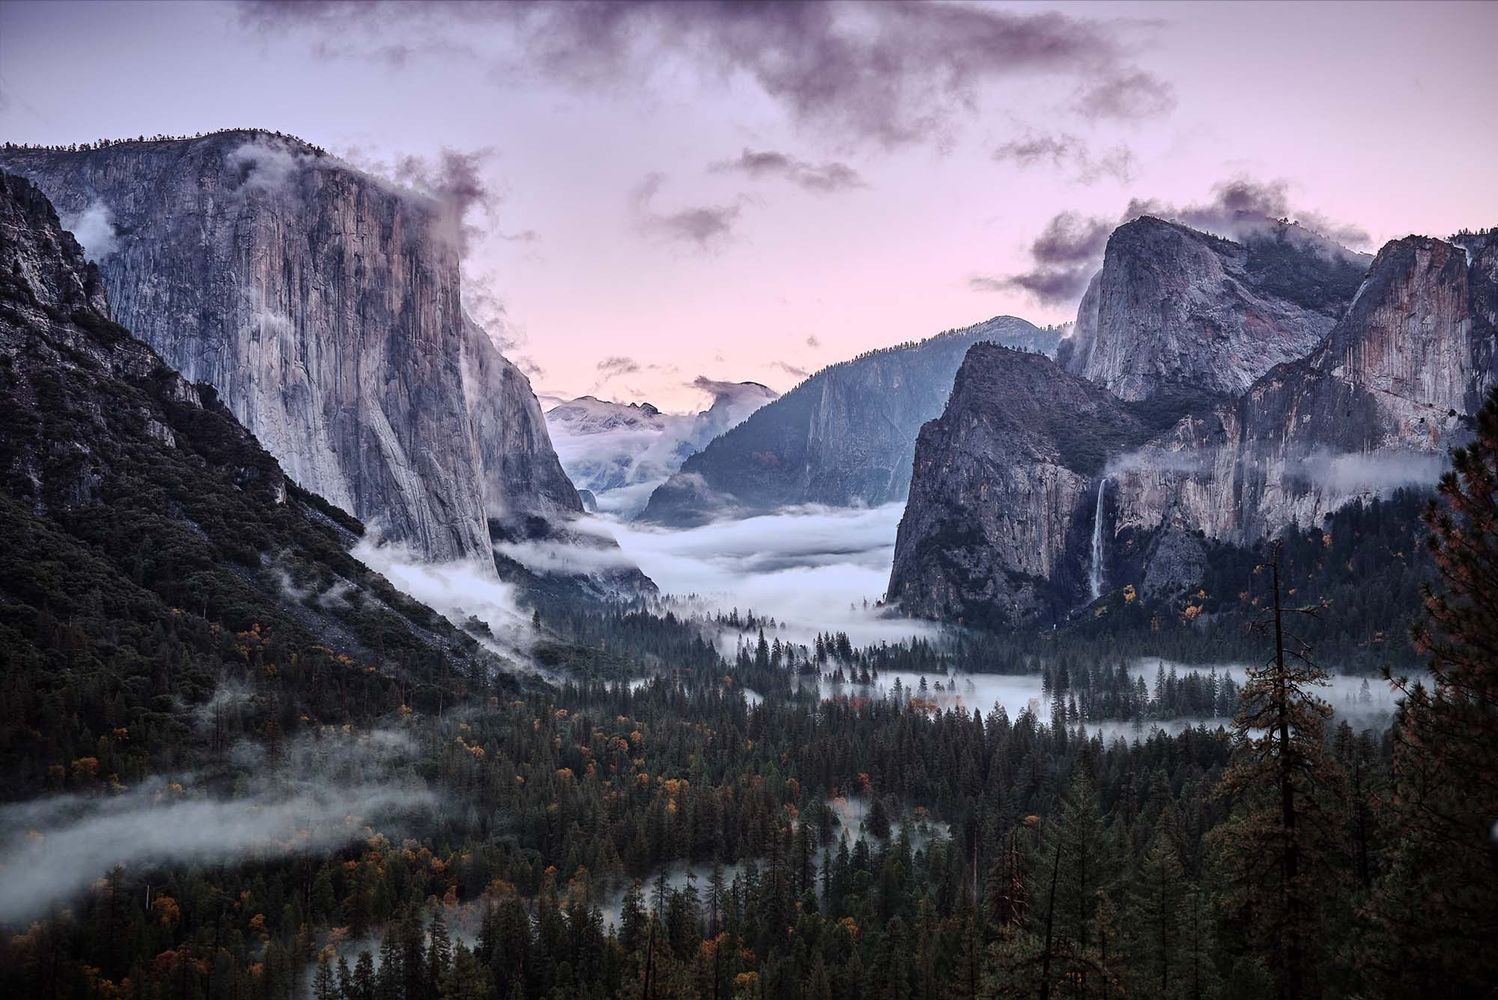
(325, 307)
(1376, 406)
(136, 509)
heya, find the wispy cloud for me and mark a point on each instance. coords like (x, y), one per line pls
(465, 592)
(1129, 96)
(94, 230)
(705, 226)
(1065, 255)
(1242, 206)
(822, 178)
(1070, 247)
(618, 365)
(1066, 152)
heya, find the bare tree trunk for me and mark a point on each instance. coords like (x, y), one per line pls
(1050, 917)
(1290, 859)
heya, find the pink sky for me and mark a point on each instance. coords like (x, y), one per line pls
(615, 229)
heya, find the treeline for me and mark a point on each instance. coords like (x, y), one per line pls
(79, 147)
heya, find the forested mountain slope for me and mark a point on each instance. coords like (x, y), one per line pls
(154, 552)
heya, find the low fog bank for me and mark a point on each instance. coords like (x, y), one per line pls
(812, 569)
(317, 794)
(1363, 702)
(461, 591)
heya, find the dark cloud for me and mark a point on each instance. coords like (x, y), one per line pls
(791, 370)
(1244, 207)
(1071, 239)
(895, 72)
(1129, 96)
(1070, 248)
(706, 226)
(1069, 153)
(618, 365)
(1065, 253)
(822, 178)
(1052, 286)
(813, 343)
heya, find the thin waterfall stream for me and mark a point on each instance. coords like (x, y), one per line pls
(1096, 576)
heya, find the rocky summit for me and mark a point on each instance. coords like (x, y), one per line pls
(1178, 310)
(1015, 518)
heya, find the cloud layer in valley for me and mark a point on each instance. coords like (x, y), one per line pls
(462, 591)
(811, 568)
(324, 792)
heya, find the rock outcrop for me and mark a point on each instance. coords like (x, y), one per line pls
(1174, 310)
(1005, 492)
(994, 534)
(1376, 406)
(846, 436)
(325, 307)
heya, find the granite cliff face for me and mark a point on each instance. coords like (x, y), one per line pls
(1005, 490)
(846, 436)
(1375, 405)
(129, 493)
(324, 306)
(1174, 310)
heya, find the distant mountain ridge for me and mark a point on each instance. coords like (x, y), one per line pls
(621, 452)
(844, 437)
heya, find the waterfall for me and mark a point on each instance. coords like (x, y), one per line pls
(1096, 577)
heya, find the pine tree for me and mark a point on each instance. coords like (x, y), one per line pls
(364, 978)
(391, 983)
(1435, 912)
(1157, 910)
(1278, 847)
(439, 952)
(324, 985)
